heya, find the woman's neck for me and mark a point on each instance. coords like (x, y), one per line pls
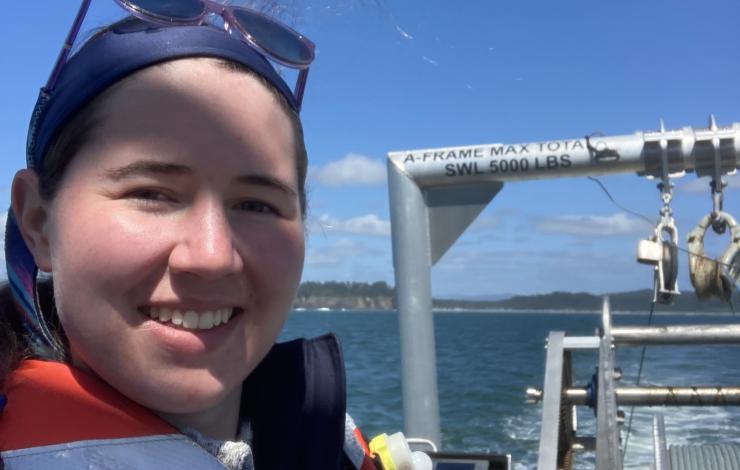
(220, 422)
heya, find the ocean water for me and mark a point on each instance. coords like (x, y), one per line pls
(485, 362)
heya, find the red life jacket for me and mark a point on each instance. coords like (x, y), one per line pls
(60, 418)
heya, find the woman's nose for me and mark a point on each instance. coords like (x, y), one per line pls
(205, 244)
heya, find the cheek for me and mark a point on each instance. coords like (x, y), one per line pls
(102, 247)
(274, 264)
(101, 261)
(277, 259)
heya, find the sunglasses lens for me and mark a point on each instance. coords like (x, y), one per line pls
(178, 10)
(280, 41)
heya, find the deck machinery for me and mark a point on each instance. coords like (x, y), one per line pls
(435, 194)
(559, 441)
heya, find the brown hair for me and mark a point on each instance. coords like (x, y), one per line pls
(14, 346)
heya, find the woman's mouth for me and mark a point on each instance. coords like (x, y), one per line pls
(190, 319)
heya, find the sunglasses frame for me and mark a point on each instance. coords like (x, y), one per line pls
(209, 7)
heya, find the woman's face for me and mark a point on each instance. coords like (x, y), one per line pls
(182, 208)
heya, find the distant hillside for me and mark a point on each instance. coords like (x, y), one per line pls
(345, 295)
(381, 296)
(344, 289)
(479, 298)
(637, 301)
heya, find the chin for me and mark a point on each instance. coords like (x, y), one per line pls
(188, 398)
(181, 391)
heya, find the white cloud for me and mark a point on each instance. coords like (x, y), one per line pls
(531, 269)
(353, 169)
(403, 33)
(487, 223)
(733, 182)
(586, 225)
(339, 252)
(701, 185)
(369, 224)
(429, 61)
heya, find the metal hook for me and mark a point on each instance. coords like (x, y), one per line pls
(719, 225)
(717, 184)
(658, 251)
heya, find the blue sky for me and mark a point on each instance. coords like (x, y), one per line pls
(430, 73)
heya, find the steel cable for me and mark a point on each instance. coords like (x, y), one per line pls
(637, 384)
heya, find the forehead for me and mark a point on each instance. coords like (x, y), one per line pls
(199, 110)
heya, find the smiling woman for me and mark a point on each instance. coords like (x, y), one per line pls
(164, 196)
(177, 232)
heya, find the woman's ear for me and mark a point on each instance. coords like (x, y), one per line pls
(31, 214)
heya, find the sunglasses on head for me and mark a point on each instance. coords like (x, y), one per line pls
(269, 37)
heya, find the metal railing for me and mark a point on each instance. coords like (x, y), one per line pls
(558, 440)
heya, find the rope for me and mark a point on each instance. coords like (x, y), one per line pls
(637, 383)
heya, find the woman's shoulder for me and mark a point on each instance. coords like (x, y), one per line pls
(72, 405)
(57, 415)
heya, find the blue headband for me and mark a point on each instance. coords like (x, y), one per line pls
(109, 57)
(121, 51)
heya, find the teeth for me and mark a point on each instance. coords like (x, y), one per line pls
(205, 321)
(165, 314)
(190, 319)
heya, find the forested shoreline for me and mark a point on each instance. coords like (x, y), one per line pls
(381, 296)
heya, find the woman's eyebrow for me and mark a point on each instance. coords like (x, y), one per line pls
(268, 181)
(146, 167)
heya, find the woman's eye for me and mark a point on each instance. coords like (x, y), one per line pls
(256, 206)
(149, 196)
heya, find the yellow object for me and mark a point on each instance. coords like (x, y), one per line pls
(379, 446)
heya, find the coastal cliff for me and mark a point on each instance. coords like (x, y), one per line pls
(380, 296)
(345, 295)
(315, 302)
